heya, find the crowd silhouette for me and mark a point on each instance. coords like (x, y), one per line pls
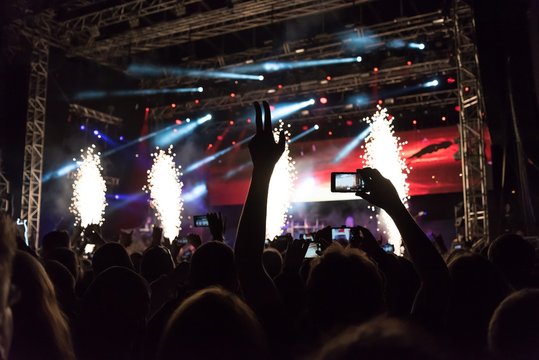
(204, 300)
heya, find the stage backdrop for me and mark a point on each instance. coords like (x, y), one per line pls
(431, 154)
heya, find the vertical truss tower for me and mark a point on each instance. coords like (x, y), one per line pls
(34, 139)
(471, 114)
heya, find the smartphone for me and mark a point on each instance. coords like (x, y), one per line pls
(388, 248)
(346, 182)
(200, 220)
(308, 237)
(89, 248)
(312, 250)
(340, 234)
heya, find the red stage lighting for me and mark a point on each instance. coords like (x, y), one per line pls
(173, 105)
(450, 80)
(304, 128)
(457, 108)
(349, 122)
(323, 100)
(231, 122)
(272, 107)
(380, 101)
(232, 94)
(279, 86)
(233, 142)
(444, 118)
(466, 88)
(409, 63)
(220, 137)
(197, 101)
(210, 146)
(376, 69)
(328, 78)
(248, 120)
(147, 109)
(414, 122)
(330, 133)
(178, 122)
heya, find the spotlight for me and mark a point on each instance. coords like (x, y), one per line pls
(178, 122)
(173, 105)
(197, 101)
(450, 80)
(231, 122)
(96, 132)
(316, 127)
(116, 196)
(232, 94)
(328, 78)
(409, 63)
(358, 59)
(260, 77)
(415, 45)
(200, 89)
(121, 138)
(323, 100)
(431, 83)
(376, 69)
(82, 127)
(99, 136)
(349, 122)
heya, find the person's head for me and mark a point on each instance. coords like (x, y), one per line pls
(66, 257)
(7, 253)
(273, 262)
(344, 287)
(156, 261)
(213, 324)
(478, 288)
(113, 314)
(194, 240)
(380, 339)
(53, 240)
(40, 328)
(213, 264)
(514, 256)
(136, 259)
(109, 255)
(514, 327)
(64, 285)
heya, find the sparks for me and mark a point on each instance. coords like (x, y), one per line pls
(165, 189)
(383, 151)
(281, 188)
(88, 202)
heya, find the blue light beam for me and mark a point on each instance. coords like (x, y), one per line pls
(274, 66)
(213, 157)
(352, 145)
(100, 94)
(159, 71)
(177, 133)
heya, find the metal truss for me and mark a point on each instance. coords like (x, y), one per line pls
(92, 114)
(241, 16)
(34, 138)
(321, 46)
(344, 83)
(471, 120)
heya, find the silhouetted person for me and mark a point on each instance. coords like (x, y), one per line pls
(273, 262)
(515, 257)
(109, 255)
(514, 328)
(156, 261)
(66, 257)
(213, 324)
(64, 287)
(136, 259)
(112, 315)
(40, 328)
(344, 288)
(213, 264)
(52, 240)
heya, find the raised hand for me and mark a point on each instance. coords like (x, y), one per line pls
(295, 254)
(217, 225)
(265, 152)
(379, 191)
(157, 236)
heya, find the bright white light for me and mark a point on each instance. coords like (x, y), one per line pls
(431, 83)
(165, 189)
(203, 119)
(260, 77)
(88, 202)
(316, 127)
(419, 46)
(200, 89)
(281, 189)
(383, 151)
(359, 59)
(311, 102)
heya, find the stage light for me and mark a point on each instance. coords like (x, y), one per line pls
(457, 108)
(323, 100)
(99, 136)
(197, 101)
(173, 105)
(261, 77)
(147, 109)
(299, 51)
(232, 94)
(273, 66)
(432, 83)
(200, 89)
(233, 142)
(82, 127)
(444, 118)
(187, 120)
(375, 69)
(414, 122)
(169, 138)
(349, 122)
(161, 71)
(121, 138)
(451, 80)
(396, 44)
(352, 145)
(328, 78)
(466, 88)
(316, 127)
(409, 63)
(248, 120)
(359, 58)
(271, 91)
(304, 127)
(178, 122)
(380, 101)
(231, 122)
(96, 132)
(212, 157)
(415, 45)
(116, 196)
(283, 110)
(279, 86)
(330, 133)
(359, 100)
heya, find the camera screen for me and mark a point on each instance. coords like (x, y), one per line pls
(201, 220)
(89, 248)
(345, 182)
(311, 250)
(340, 234)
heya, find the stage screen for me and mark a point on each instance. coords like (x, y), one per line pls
(431, 154)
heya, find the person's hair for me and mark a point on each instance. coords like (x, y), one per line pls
(7, 253)
(273, 262)
(156, 261)
(53, 240)
(40, 328)
(344, 288)
(64, 286)
(213, 264)
(66, 257)
(112, 315)
(514, 327)
(194, 240)
(478, 288)
(109, 255)
(213, 324)
(515, 257)
(380, 338)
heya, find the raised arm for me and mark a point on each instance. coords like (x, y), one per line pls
(433, 297)
(257, 286)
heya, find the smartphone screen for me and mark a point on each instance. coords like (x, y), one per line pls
(89, 248)
(340, 234)
(345, 182)
(311, 251)
(200, 220)
(388, 248)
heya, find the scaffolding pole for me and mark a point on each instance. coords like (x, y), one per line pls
(34, 139)
(471, 126)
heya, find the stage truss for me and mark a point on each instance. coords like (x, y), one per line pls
(82, 35)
